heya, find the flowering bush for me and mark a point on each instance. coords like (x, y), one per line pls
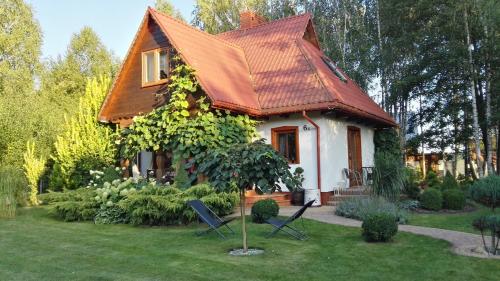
(109, 174)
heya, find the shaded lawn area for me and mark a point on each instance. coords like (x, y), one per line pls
(37, 247)
(459, 222)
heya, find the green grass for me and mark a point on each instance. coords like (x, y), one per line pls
(459, 222)
(36, 247)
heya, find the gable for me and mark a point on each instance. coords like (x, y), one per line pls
(128, 97)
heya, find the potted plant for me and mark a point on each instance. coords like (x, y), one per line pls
(298, 191)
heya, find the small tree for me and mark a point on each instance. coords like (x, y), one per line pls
(33, 170)
(245, 166)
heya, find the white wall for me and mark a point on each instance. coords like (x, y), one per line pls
(333, 141)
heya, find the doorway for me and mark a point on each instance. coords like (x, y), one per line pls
(354, 156)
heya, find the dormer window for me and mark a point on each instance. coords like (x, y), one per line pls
(155, 67)
(333, 67)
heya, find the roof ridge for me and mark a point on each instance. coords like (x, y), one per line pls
(196, 29)
(264, 23)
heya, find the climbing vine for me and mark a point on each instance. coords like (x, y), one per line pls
(187, 129)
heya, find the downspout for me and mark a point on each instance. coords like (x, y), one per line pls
(318, 150)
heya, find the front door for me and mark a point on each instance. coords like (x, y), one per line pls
(354, 155)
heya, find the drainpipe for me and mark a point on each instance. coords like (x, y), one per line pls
(318, 150)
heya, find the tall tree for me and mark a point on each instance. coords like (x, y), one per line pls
(216, 16)
(20, 42)
(85, 57)
(166, 7)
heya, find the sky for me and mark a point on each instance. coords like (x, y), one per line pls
(115, 21)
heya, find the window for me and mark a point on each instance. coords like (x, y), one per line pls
(333, 67)
(155, 66)
(286, 141)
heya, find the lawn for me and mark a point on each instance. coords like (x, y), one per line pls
(459, 222)
(35, 246)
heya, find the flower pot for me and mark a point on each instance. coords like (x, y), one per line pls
(298, 198)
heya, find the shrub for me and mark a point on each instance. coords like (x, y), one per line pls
(75, 210)
(409, 205)
(77, 205)
(431, 199)
(453, 199)
(380, 227)
(264, 209)
(360, 208)
(12, 190)
(411, 188)
(432, 180)
(150, 206)
(487, 191)
(449, 182)
(489, 224)
(388, 176)
(109, 174)
(111, 215)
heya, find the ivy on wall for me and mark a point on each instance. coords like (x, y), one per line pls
(188, 130)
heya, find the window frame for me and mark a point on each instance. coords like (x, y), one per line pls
(275, 132)
(156, 68)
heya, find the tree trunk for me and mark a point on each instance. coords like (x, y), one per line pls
(381, 61)
(475, 121)
(498, 149)
(489, 127)
(243, 220)
(422, 134)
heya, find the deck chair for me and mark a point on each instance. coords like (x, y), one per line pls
(284, 224)
(209, 217)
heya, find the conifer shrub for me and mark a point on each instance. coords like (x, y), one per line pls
(449, 182)
(486, 191)
(379, 227)
(431, 199)
(453, 199)
(411, 188)
(432, 180)
(137, 202)
(263, 210)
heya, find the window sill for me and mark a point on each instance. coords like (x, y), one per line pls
(156, 83)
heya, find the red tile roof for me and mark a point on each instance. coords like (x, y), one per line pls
(268, 69)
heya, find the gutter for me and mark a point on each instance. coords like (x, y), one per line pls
(318, 150)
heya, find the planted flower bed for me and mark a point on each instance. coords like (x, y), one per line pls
(137, 202)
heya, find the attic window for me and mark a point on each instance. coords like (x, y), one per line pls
(333, 67)
(155, 67)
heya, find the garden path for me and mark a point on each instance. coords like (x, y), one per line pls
(466, 244)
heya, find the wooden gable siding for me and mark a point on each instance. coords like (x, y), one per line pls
(130, 97)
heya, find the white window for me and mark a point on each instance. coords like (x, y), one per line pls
(155, 66)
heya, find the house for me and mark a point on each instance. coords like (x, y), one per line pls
(312, 112)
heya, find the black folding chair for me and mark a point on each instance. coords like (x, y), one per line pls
(284, 224)
(209, 217)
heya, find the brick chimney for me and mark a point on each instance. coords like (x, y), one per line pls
(250, 19)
